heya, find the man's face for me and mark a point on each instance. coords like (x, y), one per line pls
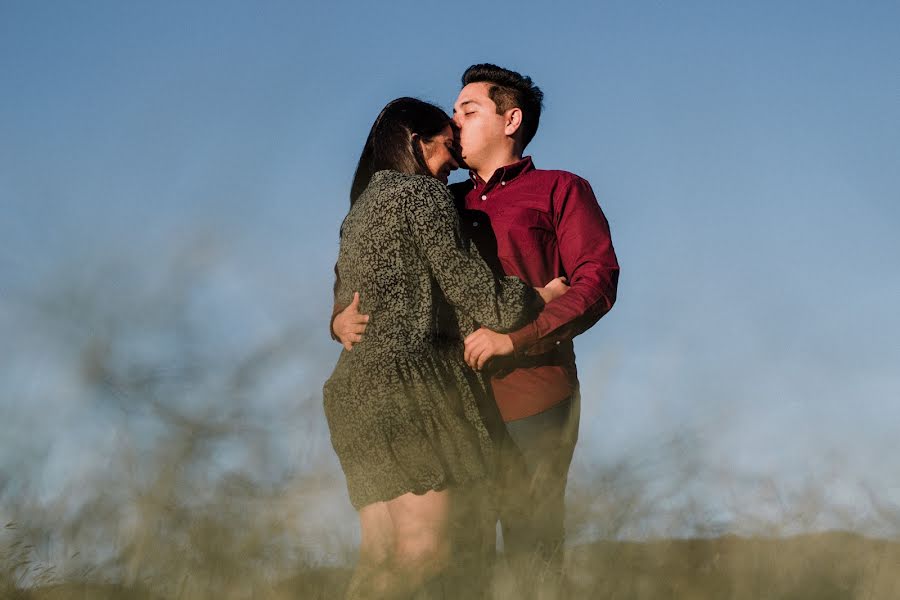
(481, 130)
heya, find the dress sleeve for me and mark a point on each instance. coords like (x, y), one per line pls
(468, 283)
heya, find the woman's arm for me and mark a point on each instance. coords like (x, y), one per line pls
(502, 304)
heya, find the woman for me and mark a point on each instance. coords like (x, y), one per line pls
(403, 407)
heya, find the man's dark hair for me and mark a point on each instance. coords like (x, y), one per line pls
(510, 90)
(393, 141)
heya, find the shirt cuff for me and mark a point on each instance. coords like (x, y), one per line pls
(523, 338)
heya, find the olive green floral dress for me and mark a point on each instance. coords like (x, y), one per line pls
(406, 414)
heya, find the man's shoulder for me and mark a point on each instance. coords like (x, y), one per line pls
(559, 176)
(562, 189)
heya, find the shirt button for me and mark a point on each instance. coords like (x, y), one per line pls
(484, 197)
(502, 183)
(557, 343)
(474, 223)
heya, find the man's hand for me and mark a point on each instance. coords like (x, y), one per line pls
(349, 325)
(484, 344)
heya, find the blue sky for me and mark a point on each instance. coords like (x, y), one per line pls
(746, 157)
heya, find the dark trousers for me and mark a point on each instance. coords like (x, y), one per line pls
(535, 467)
(529, 501)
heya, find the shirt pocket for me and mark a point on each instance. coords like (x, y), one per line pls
(523, 232)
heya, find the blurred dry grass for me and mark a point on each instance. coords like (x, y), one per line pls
(827, 566)
(165, 519)
(818, 566)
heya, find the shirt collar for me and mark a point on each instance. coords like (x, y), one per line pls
(506, 173)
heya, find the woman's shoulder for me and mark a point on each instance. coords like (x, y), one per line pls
(406, 180)
(407, 188)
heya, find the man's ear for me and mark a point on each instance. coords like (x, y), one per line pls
(513, 120)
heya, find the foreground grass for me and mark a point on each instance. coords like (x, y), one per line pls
(828, 566)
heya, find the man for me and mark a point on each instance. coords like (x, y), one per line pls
(537, 225)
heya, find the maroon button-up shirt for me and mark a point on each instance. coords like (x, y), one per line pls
(537, 225)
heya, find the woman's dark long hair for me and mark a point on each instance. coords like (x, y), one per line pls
(392, 142)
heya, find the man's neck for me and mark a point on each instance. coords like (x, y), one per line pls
(485, 172)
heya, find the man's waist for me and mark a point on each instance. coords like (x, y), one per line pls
(525, 391)
(561, 354)
(553, 368)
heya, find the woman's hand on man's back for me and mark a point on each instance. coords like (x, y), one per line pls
(556, 288)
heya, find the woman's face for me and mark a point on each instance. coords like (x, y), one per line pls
(440, 153)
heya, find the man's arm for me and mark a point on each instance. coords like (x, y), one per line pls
(589, 260)
(483, 344)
